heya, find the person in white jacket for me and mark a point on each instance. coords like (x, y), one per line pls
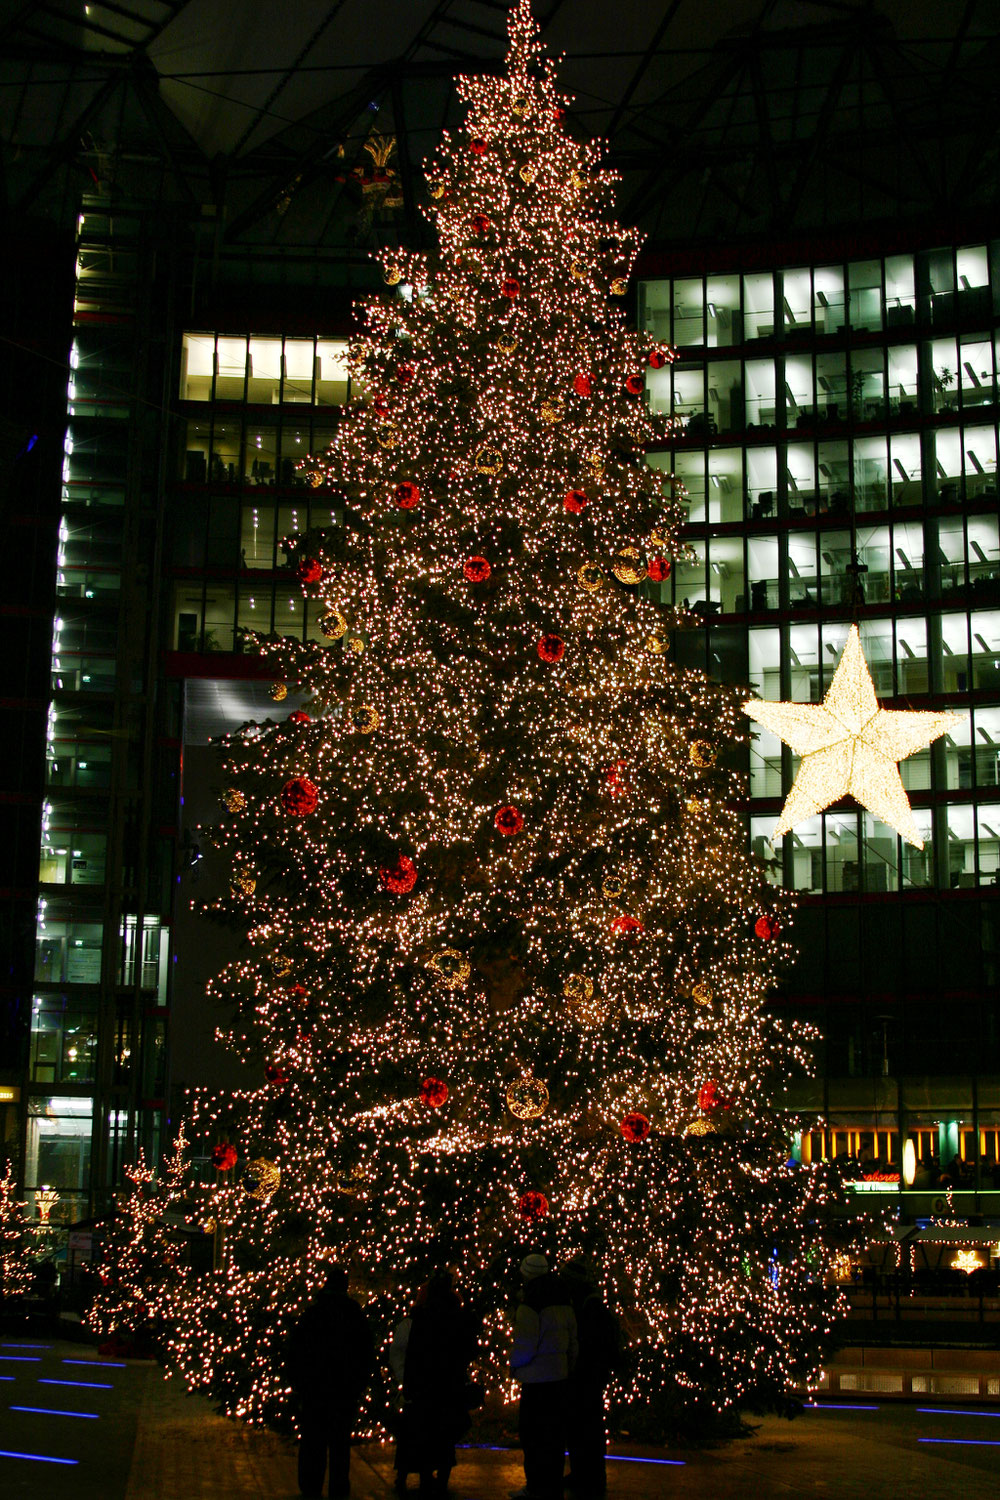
(545, 1348)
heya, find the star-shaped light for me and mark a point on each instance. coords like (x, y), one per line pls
(850, 747)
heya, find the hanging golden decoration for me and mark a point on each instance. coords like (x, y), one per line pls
(577, 270)
(627, 565)
(702, 754)
(365, 719)
(658, 642)
(387, 435)
(261, 1178)
(507, 343)
(234, 799)
(278, 691)
(242, 882)
(520, 106)
(589, 577)
(355, 644)
(281, 965)
(619, 286)
(527, 172)
(578, 987)
(613, 886)
(451, 967)
(528, 1098)
(393, 275)
(701, 992)
(553, 411)
(850, 747)
(332, 625)
(489, 461)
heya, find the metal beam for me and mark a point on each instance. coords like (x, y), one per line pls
(647, 58)
(66, 149)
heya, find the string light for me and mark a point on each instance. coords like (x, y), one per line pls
(479, 1051)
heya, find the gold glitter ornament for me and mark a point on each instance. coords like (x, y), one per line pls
(506, 343)
(619, 286)
(354, 644)
(701, 992)
(451, 967)
(278, 691)
(589, 577)
(527, 172)
(717, 1124)
(436, 189)
(553, 411)
(315, 477)
(627, 565)
(702, 754)
(578, 987)
(528, 1098)
(242, 882)
(489, 461)
(365, 719)
(386, 435)
(332, 625)
(281, 965)
(261, 1178)
(613, 886)
(393, 275)
(520, 106)
(577, 178)
(695, 805)
(658, 642)
(577, 270)
(234, 799)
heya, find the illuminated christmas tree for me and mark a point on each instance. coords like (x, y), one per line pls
(141, 1252)
(506, 957)
(15, 1263)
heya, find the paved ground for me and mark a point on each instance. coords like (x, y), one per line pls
(100, 1430)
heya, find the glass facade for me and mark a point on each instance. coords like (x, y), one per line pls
(805, 396)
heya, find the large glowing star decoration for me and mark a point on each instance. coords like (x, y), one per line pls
(850, 747)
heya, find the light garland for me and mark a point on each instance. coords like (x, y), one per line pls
(850, 747)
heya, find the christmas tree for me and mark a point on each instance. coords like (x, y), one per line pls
(15, 1263)
(506, 956)
(141, 1253)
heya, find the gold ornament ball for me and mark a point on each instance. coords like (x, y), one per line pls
(451, 967)
(619, 286)
(506, 343)
(489, 461)
(577, 178)
(528, 1098)
(279, 691)
(613, 886)
(589, 577)
(578, 987)
(332, 625)
(701, 992)
(527, 172)
(242, 882)
(552, 411)
(577, 270)
(386, 435)
(696, 805)
(436, 189)
(281, 965)
(520, 106)
(658, 642)
(234, 799)
(315, 477)
(393, 275)
(702, 754)
(355, 644)
(261, 1178)
(365, 719)
(627, 565)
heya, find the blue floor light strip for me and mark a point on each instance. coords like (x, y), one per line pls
(964, 1442)
(21, 1359)
(49, 1411)
(100, 1364)
(37, 1458)
(622, 1458)
(25, 1346)
(87, 1385)
(948, 1411)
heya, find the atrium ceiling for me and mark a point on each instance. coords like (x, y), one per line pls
(738, 119)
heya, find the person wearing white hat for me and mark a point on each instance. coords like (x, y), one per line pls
(544, 1350)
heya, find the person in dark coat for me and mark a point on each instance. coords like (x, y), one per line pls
(599, 1341)
(430, 1355)
(330, 1358)
(543, 1354)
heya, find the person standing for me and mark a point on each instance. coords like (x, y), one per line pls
(430, 1355)
(599, 1338)
(545, 1348)
(330, 1358)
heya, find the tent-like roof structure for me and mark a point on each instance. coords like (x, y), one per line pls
(743, 118)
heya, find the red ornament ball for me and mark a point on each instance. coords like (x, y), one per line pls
(766, 928)
(635, 1127)
(478, 146)
(310, 570)
(508, 821)
(406, 494)
(433, 1092)
(510, 287)
(615, 778)
(532, 1205)
(658, 358)
(298, 717)
(380, 406)
(551, 648)
(480, 223)
(658, 569)
(400, 877)
(574, 501)
(223, 1156)
(404, 374)
(477, 569)
(274, 1074)
(625, 926)
(582, 385)
(711, 1097)
(297, 991)
(635, 385)
(299, 797)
